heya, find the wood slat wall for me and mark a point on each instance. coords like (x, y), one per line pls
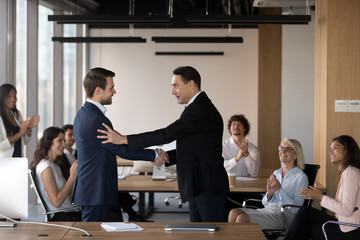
(269, 122)
(337, 76)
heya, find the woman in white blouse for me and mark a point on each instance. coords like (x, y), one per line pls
(55, 190)
(14, 132)
(345, 154)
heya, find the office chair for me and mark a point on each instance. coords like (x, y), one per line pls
(311, 171)
(33, 184)
(338, 223)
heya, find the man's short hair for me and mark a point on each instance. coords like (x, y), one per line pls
(68, 126)
(96, 77)
(187, 74)
(239, 118)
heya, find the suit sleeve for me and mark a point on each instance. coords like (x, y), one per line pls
(190, 122)
(122, 150)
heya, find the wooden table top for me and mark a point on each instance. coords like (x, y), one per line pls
(124, 162)
(248, 231)
(30, 231)
(136, 183)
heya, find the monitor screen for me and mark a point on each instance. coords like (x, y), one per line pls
(14, 187)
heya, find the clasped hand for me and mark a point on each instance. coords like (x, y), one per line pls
(162, 158)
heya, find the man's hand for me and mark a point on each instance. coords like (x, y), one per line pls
(111, 136)
(244, 152)
(162, 158)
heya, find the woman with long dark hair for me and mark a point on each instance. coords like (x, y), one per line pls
(55, 190)
(307, 224)
(14, 132)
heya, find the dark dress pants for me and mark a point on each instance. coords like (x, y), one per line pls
(208, 208)
(96, 213)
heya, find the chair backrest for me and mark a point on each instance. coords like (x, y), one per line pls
(311, 171)
(32, 175)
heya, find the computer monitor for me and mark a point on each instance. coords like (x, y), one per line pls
(14, 187)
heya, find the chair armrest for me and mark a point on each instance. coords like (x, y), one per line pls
(283, 208)
(245, 202)
(72, 209)
(338, 223)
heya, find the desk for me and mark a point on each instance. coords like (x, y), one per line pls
(30, 231)
(248, 231)
(124, 162)
(143, 184)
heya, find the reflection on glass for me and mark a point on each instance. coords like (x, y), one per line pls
(69, 73)
(45, 70)
(21, 55)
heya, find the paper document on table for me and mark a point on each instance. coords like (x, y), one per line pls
(121, 227)
(246, 179)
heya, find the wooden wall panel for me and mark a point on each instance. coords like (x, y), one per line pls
(337, 76)
(269, 122)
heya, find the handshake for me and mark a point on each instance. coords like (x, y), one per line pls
(162, 158)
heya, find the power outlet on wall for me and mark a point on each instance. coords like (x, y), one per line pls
(341, 105)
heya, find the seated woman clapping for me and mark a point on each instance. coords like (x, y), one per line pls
(307, 224)
(55, 190)
(283, 187)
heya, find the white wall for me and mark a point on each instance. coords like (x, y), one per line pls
(298, 66)
(143, 81)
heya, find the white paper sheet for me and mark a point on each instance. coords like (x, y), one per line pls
(120, 227)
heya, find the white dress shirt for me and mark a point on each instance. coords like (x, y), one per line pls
(247, 166)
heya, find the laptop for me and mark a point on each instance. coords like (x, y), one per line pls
(190, 227)
(159, 172)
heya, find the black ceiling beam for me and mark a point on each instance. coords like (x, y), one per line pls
(197, 39)
(190, 53)
(99, 39)
(110, 19)
(247, 19)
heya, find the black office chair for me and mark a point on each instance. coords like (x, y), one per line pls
(311, 171)
(338, 223)
(33, 184)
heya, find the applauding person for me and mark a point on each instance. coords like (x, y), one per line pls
(283, 187)
(14, 132)
(345, 154)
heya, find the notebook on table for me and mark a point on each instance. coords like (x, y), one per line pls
(190, 227)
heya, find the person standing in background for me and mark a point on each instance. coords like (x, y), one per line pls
(14, 132)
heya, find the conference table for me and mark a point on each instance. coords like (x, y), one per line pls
(144, 184)
(156, 231)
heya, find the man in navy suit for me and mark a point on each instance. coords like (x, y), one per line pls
(96, 184)
(198, 132)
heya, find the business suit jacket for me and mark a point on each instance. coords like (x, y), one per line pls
(96, 179)
(198, 155)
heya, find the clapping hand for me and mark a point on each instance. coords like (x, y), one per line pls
(162, 158)
(34, 121)
(244, 151)
(272, 186)
(311, 193)
(111, 136)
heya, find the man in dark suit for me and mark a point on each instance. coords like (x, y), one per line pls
(96, 183)
(198, 132)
